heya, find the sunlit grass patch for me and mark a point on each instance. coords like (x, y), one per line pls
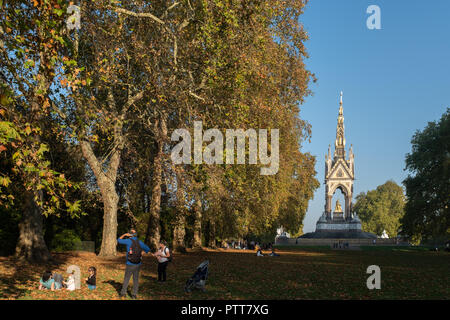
(239, 274)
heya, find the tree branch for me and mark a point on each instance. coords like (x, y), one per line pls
(196, 96)
(130, 102)
(137, 15)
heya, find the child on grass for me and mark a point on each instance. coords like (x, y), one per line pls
(92, 279)
(70, 283)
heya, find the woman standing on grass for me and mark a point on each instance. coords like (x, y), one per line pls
(162, 255)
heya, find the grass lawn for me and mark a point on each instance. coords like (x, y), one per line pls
(314, 273)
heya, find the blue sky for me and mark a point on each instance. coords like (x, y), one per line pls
(395, 80)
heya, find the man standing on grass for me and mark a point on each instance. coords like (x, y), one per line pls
(134, 260)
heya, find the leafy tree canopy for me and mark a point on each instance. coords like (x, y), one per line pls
(427, 212)
(381, 209)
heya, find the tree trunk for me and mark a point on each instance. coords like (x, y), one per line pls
(110, 203)
(31, 245)
(179, 231)
(198, 224)
(212, 234)
(106, 182)
(153, 228)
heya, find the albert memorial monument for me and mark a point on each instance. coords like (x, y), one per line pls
(342, 222)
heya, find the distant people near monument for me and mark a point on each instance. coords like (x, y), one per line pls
(273, 253)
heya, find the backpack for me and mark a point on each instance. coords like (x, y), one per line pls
(170, 258)
(135, 252)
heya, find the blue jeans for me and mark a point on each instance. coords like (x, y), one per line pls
(91, 287)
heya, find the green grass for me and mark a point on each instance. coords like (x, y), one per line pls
(396, 248)
(303, 273)
(301, 248)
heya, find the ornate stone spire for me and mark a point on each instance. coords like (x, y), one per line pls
(339, 144)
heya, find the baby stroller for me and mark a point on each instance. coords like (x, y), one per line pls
(198, 280)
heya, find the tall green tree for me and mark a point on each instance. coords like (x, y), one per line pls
(136, 70)
(381, 209)
(31, 37)
(427, 212)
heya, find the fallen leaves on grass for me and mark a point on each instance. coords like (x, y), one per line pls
(238, 274)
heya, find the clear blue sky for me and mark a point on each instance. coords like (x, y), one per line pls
(395, 80)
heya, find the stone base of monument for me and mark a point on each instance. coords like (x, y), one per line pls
(338, 234)
(338, 228)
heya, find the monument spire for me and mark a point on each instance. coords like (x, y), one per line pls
(339, 145)
(342, 223)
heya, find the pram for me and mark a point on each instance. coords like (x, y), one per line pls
(198, 280)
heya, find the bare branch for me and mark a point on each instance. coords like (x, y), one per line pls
(183, 25)
(137, 15)
(196, 96)
(175, 50)
(130, 102)
(170, 8)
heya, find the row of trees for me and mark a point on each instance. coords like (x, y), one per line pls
(87, 115)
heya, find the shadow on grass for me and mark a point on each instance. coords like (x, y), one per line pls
(148, 278)
(20, 277)
(115, 284)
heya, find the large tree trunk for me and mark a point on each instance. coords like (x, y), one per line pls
(106, 179)
(31, 245)
(153, 228)
(179, 231)
(110, 202)
(106, 182)
(153, 234)
(198, 224)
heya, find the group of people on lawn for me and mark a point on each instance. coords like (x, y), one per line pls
(259, 252)
(55, 281)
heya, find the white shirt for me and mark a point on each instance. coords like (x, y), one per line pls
(162, 255)
(70, 283)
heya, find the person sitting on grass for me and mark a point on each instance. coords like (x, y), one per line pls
(59, 279)
(259, 253)
(92, 279)
(273, 254)
(70, 283)
(47, 281)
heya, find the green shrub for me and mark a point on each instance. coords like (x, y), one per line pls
(65, 241)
